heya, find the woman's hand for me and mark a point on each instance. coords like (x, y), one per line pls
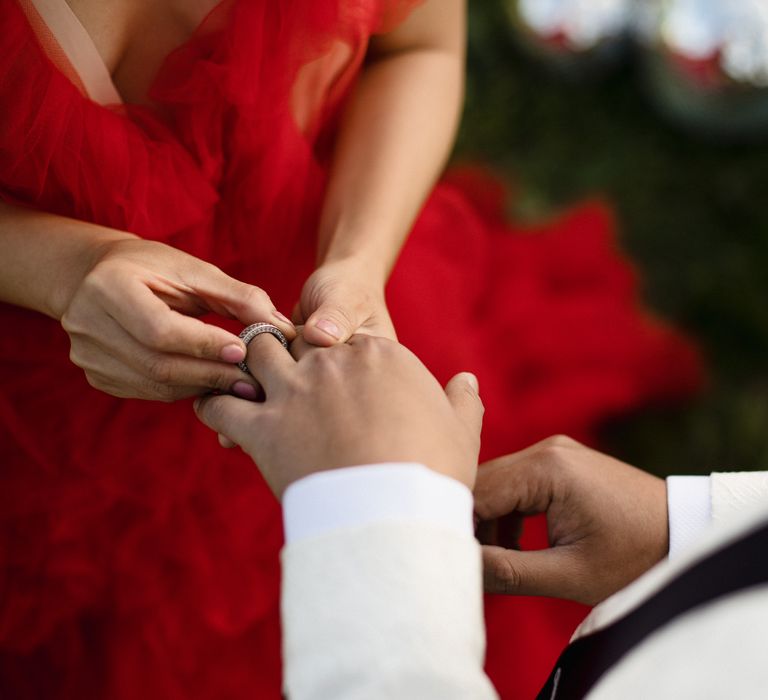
(341, 299)
(131, 323)
(607, 521)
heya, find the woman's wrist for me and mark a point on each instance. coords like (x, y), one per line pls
(366, 267)
(371, 258)
(44, 257)
(80, 257)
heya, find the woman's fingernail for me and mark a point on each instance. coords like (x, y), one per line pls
(232, 353)
(284, 319)
(196, 404)
(472, 381)
(329, 327)
(245, 390)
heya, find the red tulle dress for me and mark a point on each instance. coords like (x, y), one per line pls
(138, 559)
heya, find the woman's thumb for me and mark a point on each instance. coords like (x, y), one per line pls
(328, 325)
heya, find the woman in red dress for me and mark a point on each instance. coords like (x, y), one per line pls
(160, 162)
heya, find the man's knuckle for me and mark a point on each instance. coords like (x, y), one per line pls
(556, 449)
(509, 575)
(562, 441)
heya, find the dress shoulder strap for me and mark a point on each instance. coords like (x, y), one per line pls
(71, 48)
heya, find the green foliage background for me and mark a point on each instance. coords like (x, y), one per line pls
(693, 214)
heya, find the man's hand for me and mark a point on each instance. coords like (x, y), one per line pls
(363, 402)
(607, 521)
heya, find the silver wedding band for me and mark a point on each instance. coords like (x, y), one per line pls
(250, 332)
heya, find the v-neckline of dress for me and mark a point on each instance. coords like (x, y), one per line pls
(73, 39)
(76, 43)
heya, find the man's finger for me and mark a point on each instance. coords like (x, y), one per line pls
(300, 347)
(236, 419)
(546, 572)
(523, 481)
(270, 363)
(463, 392)
(523, 487)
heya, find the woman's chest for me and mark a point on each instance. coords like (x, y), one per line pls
(133, 37)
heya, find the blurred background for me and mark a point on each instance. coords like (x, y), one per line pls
(675, 138)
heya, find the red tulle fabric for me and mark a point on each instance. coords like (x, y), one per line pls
(137, 558)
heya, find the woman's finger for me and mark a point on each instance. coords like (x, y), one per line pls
(331, 324)
(125, 383)
(128, 362)
(228, 296)
(156, 326)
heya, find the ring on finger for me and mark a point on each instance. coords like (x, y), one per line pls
(250, 332)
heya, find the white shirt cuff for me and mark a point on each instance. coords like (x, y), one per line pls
(356, 496)
(689, 503)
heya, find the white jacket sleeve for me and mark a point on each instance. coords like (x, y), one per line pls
(390, 608)
(695, 502)
(735, 493)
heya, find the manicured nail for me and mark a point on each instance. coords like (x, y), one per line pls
(245, 390)
(329, 328)
(196, 404)
(284, 319)
(472, 381)
(232, 353)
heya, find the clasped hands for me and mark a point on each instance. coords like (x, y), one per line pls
(370, 400)
(130, 310)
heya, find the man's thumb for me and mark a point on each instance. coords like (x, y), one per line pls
(329, 325)
(542, 572)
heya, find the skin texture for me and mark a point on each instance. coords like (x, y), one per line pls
(395, 137)
(607, 521)
(367, 401)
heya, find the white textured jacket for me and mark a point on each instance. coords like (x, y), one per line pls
(382, 597)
